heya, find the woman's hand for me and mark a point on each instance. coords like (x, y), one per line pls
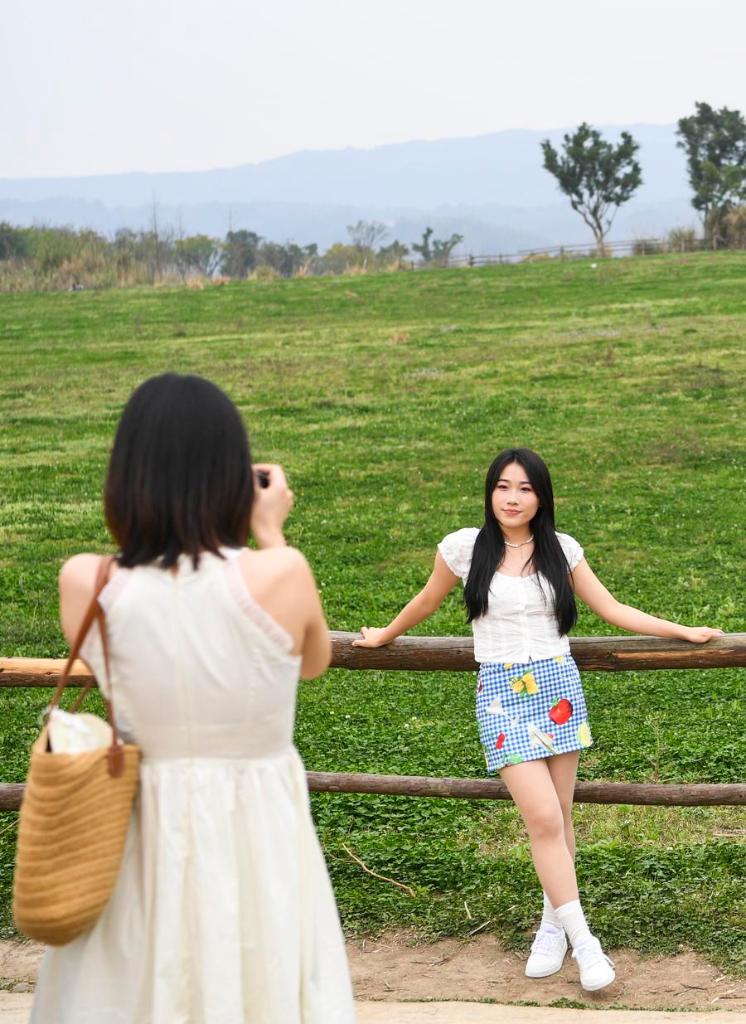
(271, 507)
(699, 634)
(371, 637)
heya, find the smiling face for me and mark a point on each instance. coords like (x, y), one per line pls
(514, 501)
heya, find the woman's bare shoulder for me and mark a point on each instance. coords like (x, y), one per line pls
(78, 574)
(282, 561)
(79, 571)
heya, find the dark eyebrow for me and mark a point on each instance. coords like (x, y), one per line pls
(503, 480)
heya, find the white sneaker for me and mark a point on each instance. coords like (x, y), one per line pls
(596, 969)
(547, 952)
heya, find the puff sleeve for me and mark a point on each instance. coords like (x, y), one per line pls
(456, 550)
(573, 551)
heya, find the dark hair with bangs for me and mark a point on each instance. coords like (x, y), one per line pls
(548, 558)
(180, 478)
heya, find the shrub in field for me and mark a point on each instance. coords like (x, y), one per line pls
(339, 257)
(648, 247)
(393, 256)
(733, 228)
(538, 257)
(683, 240)
(13, 242)
(286, 259)
(264, 273)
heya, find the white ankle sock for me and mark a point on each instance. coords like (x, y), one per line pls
(573, 921)
(550, 916)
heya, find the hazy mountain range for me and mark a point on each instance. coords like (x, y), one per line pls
(491, 188)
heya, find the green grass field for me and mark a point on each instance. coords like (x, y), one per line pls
(386, 397)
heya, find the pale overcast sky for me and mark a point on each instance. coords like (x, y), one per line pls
(96, 86)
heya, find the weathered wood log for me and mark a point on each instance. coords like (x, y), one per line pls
(40, 672)
(11, 795)
(668, 795)
(456, 654)
(597, 653)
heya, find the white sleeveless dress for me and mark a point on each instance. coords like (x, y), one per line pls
(222, 912)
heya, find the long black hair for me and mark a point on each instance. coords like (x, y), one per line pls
(180, 478)
(548, 557)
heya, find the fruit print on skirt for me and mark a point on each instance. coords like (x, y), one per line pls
(530, 711)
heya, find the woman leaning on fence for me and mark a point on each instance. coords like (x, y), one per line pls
(520, 579)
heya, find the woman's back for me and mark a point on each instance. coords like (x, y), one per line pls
(198, 667)
(222, 912)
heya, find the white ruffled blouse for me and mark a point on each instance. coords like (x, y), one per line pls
(519, 625)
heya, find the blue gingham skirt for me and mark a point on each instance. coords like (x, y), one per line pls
(530, 711)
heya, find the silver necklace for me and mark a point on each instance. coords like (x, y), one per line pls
(521, 545)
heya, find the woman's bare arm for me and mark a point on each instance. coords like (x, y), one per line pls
(441, 582)
(591, 590)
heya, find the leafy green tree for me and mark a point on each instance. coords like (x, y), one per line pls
(595, 175)
(394, 253)
(438, 250)
(715, 145)
(423, 247)
(340, 257)
(13, 242)
(443, 247)
(198, 254)
(239, 255)
(286, 259)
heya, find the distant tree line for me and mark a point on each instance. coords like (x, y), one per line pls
(597, 176)
(62, 257)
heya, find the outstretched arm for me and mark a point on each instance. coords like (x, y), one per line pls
(591, 590)
(441, 582)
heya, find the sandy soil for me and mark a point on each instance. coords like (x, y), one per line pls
(393, 969)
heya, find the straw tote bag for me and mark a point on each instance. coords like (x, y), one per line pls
(74, 816)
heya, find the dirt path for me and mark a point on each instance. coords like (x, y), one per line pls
(450, 972)
(14, 1009)
(392, 969)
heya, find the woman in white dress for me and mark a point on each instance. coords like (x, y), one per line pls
(222, 912)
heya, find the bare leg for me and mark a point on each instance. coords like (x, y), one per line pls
(563, 768)
(534, 793)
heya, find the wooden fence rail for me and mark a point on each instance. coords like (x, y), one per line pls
(456, 654)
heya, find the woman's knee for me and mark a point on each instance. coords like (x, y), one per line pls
(545, 822)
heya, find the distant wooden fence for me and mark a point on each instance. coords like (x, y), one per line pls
(630, 247)
(456, 654)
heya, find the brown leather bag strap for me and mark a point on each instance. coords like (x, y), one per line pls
(94, 611)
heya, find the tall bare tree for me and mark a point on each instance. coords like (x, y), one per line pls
(366, 234)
